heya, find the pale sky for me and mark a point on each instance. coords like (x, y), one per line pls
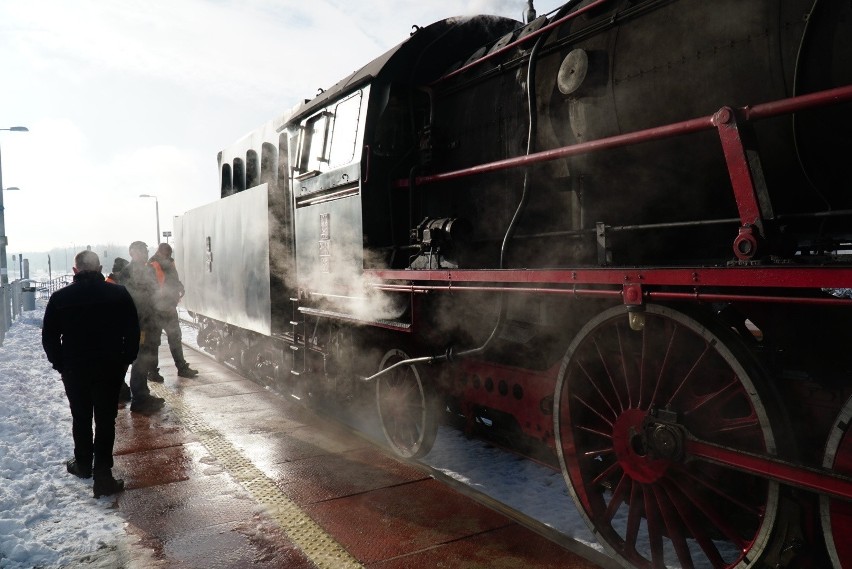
(124, 98)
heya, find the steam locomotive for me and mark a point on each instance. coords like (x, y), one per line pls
(615, 238)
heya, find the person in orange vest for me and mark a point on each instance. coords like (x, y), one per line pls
(139, 280)
(166, 301)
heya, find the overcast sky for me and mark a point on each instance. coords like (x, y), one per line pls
(129, 97)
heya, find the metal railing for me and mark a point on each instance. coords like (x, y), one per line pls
(20, 295)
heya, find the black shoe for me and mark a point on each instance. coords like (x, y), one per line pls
(124, 394)
(77, 469)
(106, 485)
(154, 375)
(187, 371)
(148, 404)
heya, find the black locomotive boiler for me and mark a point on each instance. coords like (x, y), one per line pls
(617, 238)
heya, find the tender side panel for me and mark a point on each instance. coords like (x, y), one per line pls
(224, 255)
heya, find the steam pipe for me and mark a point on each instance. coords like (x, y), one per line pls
(796, 90)
(408, 362)
(510, 231)
(695, 296)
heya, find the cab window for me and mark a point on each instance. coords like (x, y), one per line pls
(328, 138)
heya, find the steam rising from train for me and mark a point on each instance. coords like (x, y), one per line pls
(607, 237)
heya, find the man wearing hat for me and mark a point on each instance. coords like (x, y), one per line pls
(140, 281)
(117, 266)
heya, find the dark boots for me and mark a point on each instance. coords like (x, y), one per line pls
(77, 469)
(124, 394)
(186, 371)
(105, 484)
(155, 376)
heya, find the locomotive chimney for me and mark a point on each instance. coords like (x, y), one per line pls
(530, 14)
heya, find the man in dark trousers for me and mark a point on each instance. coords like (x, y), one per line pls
(91, 334)
(166, 301)
(141, 283)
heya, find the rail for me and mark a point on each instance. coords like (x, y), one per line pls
(717, 120)
(19, 296)
(727, 121)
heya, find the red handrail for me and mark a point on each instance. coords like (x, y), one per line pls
(756, 112)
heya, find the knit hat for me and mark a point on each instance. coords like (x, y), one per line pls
(119, 265)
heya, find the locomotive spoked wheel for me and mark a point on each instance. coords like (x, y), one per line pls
(837, 514)
(625, 402)
(406, 408)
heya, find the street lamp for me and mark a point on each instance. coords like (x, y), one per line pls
(4, 272)
(157, 211)
(21, 256)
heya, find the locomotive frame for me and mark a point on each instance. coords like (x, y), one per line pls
(672, 394)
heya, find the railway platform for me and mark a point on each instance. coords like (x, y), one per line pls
(232, 475)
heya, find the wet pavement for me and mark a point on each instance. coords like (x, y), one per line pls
(231, 475)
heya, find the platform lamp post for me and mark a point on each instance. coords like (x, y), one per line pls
(20, 257)
(157, 211)
(4, 271)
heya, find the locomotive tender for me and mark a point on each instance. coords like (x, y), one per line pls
(617, 237)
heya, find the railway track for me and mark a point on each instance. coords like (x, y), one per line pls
(528, 493)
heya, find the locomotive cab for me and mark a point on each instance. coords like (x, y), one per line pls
(347, 148)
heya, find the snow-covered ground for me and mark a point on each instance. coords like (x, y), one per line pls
(50, 519)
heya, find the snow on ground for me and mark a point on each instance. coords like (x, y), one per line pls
(48, 518)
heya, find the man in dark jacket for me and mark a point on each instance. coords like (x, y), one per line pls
(142, 285)
(91, 334)
(115, 278)
(166, 301)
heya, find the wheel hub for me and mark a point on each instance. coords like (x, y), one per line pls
(635, 450)
(665, 441)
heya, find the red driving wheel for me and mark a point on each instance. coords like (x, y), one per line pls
(837, 514)
(648, 504)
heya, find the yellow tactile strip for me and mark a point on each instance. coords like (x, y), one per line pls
(314, 542)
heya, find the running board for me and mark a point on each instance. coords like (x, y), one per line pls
(391, 324)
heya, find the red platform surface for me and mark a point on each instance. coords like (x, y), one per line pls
(229, 474)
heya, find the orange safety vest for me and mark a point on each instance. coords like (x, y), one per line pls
(161, 275)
